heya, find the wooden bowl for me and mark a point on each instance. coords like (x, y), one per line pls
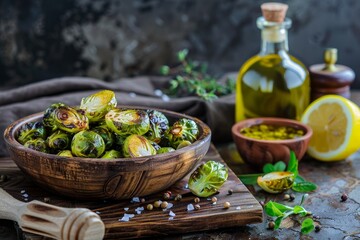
(94, 178)
(257, 152)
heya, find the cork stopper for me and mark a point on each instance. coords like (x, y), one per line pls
(274, 12)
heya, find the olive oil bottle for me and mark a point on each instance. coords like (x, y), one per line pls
(272, 83)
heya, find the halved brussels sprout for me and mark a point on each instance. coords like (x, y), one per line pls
(207, 179)
(165, 150)
(37, 144)
(87, 144)
(137, 146)
(97, 105)
(65, 153)
(182, 130)
(31, 131)
(106, 134)
(159, 124)
(127, 122)
(58, 140)
(59, 116)
(183, 144)
(111, 154)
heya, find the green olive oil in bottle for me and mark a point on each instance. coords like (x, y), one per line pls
(272, 83)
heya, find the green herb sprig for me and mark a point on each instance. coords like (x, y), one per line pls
(281, 211)
(300, 184)
(191, 79)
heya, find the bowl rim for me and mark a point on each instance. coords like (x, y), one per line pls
(258, 120)
(10, 139)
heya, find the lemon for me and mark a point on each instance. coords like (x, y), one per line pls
(276, 182)
(335, 122)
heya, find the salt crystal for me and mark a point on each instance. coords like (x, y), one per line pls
(124, 219)
(132, 94)
(238, 208)
(126, 209)
(170, 205)
(138, 210)
(23, 191)
(190, 207)
(209, 199)
(25, 199)
(171, 218)
(97, 212)
(25, 195)
(172, 214)
(165, 98)
(186, 186)
(135, 200)
(158, 92)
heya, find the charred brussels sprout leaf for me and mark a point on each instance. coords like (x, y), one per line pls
(31, 131)
(65, 153)
(127, 122)
(59, 116)
(165, 150)
(97, 105)
(106, 134)
(111, 154)
(182, 130)
(37, 145)
(137, 146)
(87, 144)
(159, 124)
(58, 140)
(207, 179)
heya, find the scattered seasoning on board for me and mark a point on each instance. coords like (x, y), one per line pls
(317, 228)
(157, 204)
(286, 197)
(227, 205)
(213, 199)
(149, 207)
(271, 225)
(292, 197)
(344, 197)
(230, 191)
(164, 205)
(46, 199)
(196, 200)
(271, 132)
(178, 197)
(197, 207)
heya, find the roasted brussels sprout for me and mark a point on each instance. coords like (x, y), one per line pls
(65, 153)
(127, 122)
(97, 105)
(59, 116)
(37, 144)
(31, 131)
(106, 134)
(111, 154)
(207, 179)
(137, 146)
(87, 144)
(183, 144)
(182, 130)
(165, 150)
(159, 124)
(58, 140)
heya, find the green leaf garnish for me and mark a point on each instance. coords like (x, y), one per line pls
(293, 164)
(250, 179)
(307, 226)
(304, 186)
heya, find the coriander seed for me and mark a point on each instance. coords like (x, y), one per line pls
(196, 200)
(142, 200)
(164, 204)
(178, 197)
(197, 206)
(157, 204)
(227, 205)
(344, 197)
(166, 196)
(271, 225)
(213, 199)
(149, 207)
(286, 197)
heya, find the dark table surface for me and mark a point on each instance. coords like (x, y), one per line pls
(338, 219)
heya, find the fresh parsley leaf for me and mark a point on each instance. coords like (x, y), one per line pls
(304, 186)
(300, 210)
(275, 209)
(279, 166)
(307, 226)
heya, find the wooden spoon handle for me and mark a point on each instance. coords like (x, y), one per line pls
(52, 221)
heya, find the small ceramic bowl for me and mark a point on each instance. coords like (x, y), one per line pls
(258, 152)
(96, 178)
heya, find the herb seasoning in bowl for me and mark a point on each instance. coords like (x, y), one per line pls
(269, 140)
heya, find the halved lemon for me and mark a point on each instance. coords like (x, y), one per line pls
(335, 122)
(276, 182)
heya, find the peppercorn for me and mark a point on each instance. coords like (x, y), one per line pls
(149, 207)
(227, 205)
(3, 178)
(286, 197)
(46, 199)
(344, 197)
(197, 206)
(142, 200)
(213, 199)
(164, 204)
(271, 225)
(157, 204)
(178, 197)
(317, 228)
(230, 191)
(292, 197)
(197, 200)
(166, 196)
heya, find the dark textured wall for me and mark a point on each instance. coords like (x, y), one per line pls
(108, 39)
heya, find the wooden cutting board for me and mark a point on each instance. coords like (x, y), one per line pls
(245, 209)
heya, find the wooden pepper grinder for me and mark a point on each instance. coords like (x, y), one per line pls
(330, 78)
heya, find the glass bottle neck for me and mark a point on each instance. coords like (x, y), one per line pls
(274, 36)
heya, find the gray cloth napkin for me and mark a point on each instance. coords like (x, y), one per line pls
(140, 91)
